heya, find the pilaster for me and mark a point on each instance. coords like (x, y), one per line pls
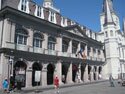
(45, 42)
(91, 73)
(70, 47)
(30, 38)
(69, 74)
(86, 74)
(44, 75)
(59, 44)
(29, 78)
(58, 70)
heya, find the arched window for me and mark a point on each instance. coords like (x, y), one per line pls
(37, 40)
(106, 34)
(111, 33)
(21, 36)
(51, 43)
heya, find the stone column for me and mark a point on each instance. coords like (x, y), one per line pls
(86, 50)
(79, 46)
(78, 49)
(91, 52)
(44, 75)
(86, 74)
(69, 74)
(79, 71)
(29, 75)
(58, 70)
(91, 73)
(70, 47)
(59, 44)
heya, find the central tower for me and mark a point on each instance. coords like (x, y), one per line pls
(110, 28)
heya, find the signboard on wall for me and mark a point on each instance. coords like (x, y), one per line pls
(37, 76)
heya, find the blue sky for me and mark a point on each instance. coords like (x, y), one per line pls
(87, 12)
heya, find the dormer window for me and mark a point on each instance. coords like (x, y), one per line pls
(23, 5)
(51, 16)
(90, 34)
(39, 11)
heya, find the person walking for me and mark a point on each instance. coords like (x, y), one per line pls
(11, 86)
(56, 84)
(111, 80)
(5, 85)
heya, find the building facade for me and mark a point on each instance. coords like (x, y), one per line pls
(37, 43)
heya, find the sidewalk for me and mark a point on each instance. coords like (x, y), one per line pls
(44, 88)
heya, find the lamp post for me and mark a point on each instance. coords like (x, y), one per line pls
(11, 65)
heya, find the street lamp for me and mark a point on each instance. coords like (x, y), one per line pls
(11, 65)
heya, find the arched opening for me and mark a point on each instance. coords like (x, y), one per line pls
(99, 71)
(64, 72)
(74, 72)
(89, 70)
(36, 73)
(95, 69)
(20, 73)
(83, 66)
(50, 74)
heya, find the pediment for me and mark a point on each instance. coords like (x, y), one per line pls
(75, 29)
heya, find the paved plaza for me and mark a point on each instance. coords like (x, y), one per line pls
(96, 88)
(99, 88)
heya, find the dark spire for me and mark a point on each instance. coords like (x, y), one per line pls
(110, 5)
(108, 14)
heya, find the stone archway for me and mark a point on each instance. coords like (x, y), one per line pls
(100, 69)
(50, 74)
(89, 74)
(20, 72)
(36, 69)
(95, 69)
(74, 72)
(64, 72)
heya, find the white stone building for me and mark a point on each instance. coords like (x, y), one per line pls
(38, 42)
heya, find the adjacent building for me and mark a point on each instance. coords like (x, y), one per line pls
(37, 43)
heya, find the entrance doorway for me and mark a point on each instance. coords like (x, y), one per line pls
(74, 72)
(20, 73)
(64, 72)
(50, 74)
(36, 68)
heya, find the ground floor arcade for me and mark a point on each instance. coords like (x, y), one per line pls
(32, 72)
